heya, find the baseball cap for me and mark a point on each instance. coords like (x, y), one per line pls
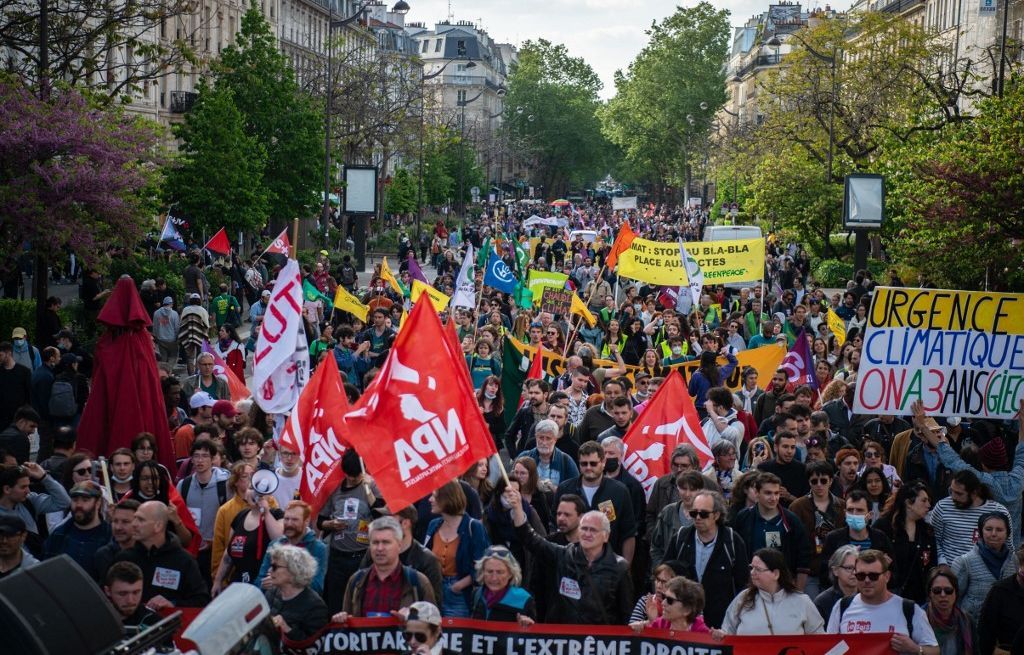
(201, 399)
(194, 296)
(224, 408)
(426, 612)
(266, 293)
(11, 524)
(87, 489)
(67, 359)
(18, 333)
(168, 301)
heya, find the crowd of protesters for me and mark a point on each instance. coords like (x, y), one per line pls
(809, 518)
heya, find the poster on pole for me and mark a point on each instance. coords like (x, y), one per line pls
(556, 301)
(624, 203)
(960, 352)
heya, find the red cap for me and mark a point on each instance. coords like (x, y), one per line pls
(224, 408)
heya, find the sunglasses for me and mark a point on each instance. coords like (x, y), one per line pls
(702, 513)
(819, 480)
(871, 453)
(584, 465)
(863, 575)
(669, 600)
(421, 637)
(943, 591)
(85, 470)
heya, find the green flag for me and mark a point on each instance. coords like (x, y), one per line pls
(512, 376)
(523, 296)
(522, 258)
(484, 253)
(311, 294)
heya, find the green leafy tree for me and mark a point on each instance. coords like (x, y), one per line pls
(218, 180)
(564, 138)
(676, 77)
(281, 118)
(401, 193)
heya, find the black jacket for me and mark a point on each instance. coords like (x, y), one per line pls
(611, 491)
(516, 601)
(1000, 617)
(841, 537)
(592, 594)
(796, 545)
(179, 581)
(726, 574)
(519, 431)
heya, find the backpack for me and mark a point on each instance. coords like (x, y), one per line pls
(62, 399)
(348, 276)
(222, 490)
(908, 612)
(410, 576)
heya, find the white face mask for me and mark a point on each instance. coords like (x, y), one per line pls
(490, 395)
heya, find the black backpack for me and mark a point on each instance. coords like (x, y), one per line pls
(222, 490)
(908, 612)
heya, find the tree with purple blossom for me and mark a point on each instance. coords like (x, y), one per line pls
(72, 177)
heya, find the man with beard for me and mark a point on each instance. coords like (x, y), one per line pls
(553, 465)
(955, 518)
(86, 533)
(297, 533)
(765, 405)
(568, 513)
(123, 537)
(123, 587)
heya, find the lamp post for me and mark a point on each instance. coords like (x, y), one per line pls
(423, 111)
(400, 7)
(462, 152)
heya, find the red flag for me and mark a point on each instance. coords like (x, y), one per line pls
(453, 336)
(280, 245)
(621, 244)
(670, 419)
(314, 431)
(536, 371)
(418, 426)
(219, 243)
(237, 387)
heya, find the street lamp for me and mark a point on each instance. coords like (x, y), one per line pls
(423, 111)
(400, 7)
(462, 152)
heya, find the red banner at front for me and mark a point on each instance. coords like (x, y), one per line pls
(471, 636)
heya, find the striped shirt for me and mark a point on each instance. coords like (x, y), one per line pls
(956, 530)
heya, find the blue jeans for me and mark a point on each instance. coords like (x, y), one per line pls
(453, 603)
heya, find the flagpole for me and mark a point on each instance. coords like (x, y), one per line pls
(476, 318)
(295, 238)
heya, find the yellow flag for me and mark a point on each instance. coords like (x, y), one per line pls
(837, 326)
(389, 277)
(345, 301)
(438, 299)
(580, 309)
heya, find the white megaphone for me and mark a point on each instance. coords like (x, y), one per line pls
(265, 482)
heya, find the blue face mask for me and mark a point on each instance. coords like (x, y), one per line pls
(856, 522)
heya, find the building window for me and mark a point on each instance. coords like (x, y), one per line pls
(426, 44)
(460, 47)
(437, 46)
(461, 96)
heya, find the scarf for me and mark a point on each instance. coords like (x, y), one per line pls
(957, 624)
(492, 598)
(993, 561)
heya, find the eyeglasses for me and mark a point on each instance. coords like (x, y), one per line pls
(820, 480)
(421, 637)
(871, 453)
(943, 591)
(85, 470)
(669, 600)
(848, 569)
(274, 567)
(758, 569)
(702, 513)
(864, 575)
(584, 465)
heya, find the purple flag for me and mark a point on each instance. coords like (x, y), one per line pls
(798, 363)
(415, 272)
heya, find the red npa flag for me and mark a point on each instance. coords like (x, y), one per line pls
(219, 243)
(670, 419)
(418, 425)
(621, 244)
(314, 432)
(280, 245)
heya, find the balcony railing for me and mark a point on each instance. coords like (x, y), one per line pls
(182, 101)
(759, 62)
(898, 6)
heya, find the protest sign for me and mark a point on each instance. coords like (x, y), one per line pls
(624, 203)
(539, 280)
(657, 262)
(960, 352)
(556, 301)
(497, 638)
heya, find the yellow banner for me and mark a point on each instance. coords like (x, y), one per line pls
(658, 262)
(537, 280)
(389, 277)
(438, 299)
(346, 302)
(941, 309)
(765, 360)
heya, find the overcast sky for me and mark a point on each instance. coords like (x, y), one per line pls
(608, 34)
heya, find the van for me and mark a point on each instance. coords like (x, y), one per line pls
(588, 235)
(729, 232)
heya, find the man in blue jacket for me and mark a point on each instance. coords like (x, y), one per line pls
(767, 525)
(552, 464)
